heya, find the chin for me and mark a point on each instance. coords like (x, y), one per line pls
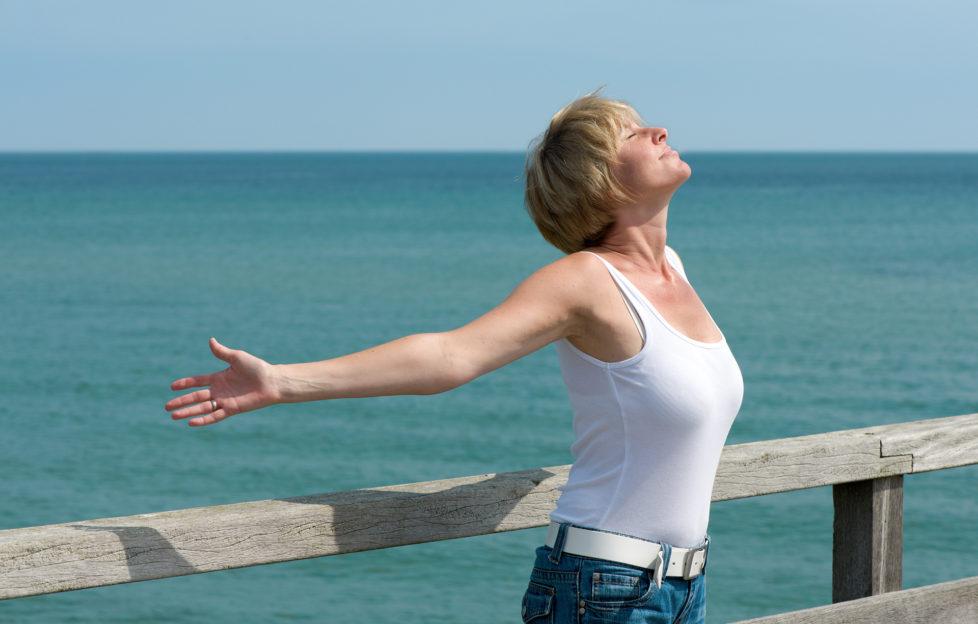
(684, 173)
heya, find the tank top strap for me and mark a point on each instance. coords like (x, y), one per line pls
(675, 262)
(634, 300)
(671, 257)
(633, 295)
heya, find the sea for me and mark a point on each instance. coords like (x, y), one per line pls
(846, 285)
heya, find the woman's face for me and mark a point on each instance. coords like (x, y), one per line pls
(646, 165)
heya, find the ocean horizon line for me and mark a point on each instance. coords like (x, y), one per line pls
(480, 152)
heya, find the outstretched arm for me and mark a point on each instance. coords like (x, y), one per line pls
(547, 306)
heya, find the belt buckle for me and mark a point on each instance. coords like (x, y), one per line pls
(695, 556)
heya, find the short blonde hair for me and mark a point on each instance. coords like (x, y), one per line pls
(571, 192)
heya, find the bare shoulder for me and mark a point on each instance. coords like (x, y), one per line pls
(580, 263)
(554, 302)
(573, 275)
(568, 287)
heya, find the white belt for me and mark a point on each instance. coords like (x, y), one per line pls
(685, 563)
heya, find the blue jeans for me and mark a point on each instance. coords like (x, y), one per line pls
(568, 589)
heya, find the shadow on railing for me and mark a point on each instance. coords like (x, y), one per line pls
(864, 466)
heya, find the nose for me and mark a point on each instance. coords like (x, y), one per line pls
(659, 135)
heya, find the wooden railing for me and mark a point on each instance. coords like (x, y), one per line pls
(864, 466)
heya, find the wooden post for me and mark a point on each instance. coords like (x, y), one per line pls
(867, 543)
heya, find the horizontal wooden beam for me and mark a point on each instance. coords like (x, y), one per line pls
(954, 602)
(76, 555)
(934, 444)
(109, 551)
(788, 464)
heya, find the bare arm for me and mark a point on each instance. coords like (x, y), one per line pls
(547, 306)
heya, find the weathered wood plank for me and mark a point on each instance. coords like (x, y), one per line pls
(109, 551)
(76, 555)
(954, 602)
(935, 444)
(788, 464)
(867, 538)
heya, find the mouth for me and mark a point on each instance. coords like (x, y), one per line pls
(667, 152)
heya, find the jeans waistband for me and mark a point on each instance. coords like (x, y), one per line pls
(663, 559)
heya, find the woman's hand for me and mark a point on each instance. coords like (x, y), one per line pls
(247, 384)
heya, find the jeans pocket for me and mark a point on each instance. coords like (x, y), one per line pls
(615, 590)
(538, 603)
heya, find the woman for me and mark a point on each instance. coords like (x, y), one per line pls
(653, 384)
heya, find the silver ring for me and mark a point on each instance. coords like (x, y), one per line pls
(213, 405)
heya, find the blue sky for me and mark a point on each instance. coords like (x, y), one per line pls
(461, 75)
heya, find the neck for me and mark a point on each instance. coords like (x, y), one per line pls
(639, 234)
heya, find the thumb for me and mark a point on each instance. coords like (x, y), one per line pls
(220, 351)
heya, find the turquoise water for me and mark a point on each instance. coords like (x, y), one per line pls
(847, 286)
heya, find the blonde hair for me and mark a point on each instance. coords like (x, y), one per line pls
(571, 191)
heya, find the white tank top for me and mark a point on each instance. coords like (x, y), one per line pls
(649, 430)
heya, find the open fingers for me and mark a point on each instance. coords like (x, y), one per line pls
(189, 399)
(209, 419)
(204, 413)
(197, 409)
(197, 381)
(200, 405)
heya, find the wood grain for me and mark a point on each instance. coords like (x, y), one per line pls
(867, 538)
(954, 602)
(76, 555)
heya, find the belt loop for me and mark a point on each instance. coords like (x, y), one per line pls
(706, 555)
(558, 548)
(665, 556)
